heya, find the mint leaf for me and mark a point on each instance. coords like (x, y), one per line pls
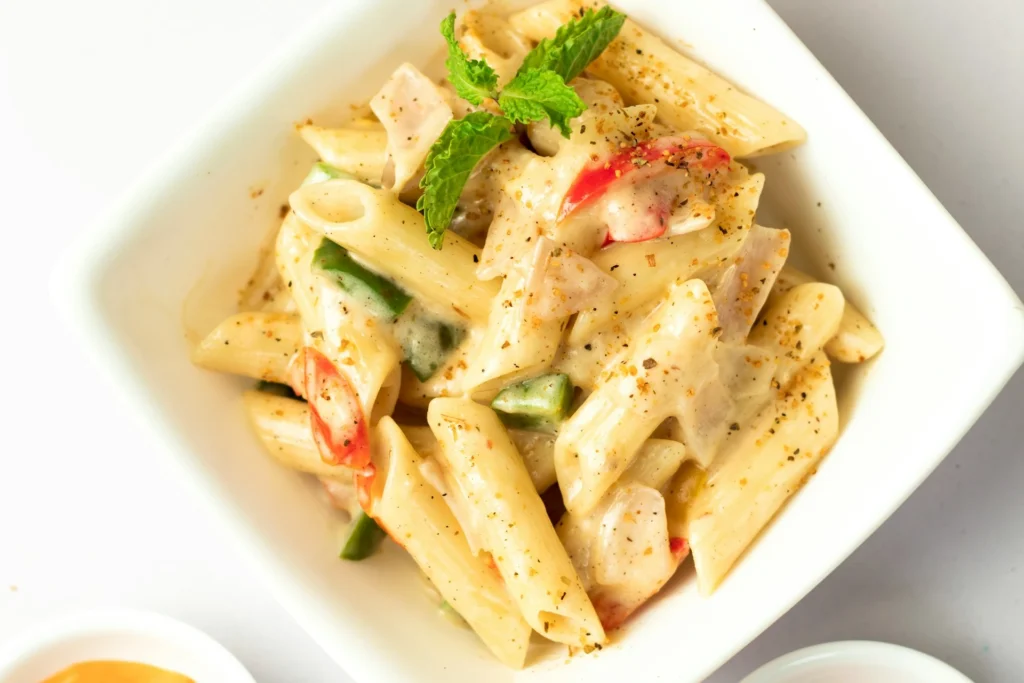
(576, 44)
(474, 80)
(535, 94)
(451, 159)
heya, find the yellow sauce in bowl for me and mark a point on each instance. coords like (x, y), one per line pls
(116, 672)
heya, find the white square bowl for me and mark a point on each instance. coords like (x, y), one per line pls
(168, 263)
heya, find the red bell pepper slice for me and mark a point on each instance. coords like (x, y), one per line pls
(671, 153)
(336, 416)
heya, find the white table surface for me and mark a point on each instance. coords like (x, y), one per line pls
(90, 92)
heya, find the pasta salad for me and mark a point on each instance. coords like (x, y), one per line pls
(524, 322)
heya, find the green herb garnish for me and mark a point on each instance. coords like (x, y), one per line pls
(538, 94)
(474, 79)
(452, 158)
(576, 44)
(538, 91)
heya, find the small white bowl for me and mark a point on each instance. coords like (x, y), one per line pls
(125, 635)
(856, 661)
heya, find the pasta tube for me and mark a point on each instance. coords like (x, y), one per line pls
(282, 425)
(417, 518)
(536, 448)
(622, 549)
(483, 462)
(517, 342)
(391, 236)
(294, 251)
(689, 96)
(257, 345)
(856, 340)
(359, 149)
(759, 468)
(645, 269)
(337, 325)
(668, 371)
(797, 325)
(490, 38)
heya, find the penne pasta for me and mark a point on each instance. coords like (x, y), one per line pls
(294, 247)
(413, 513)
(336, 325)
(491, 38)
(484, 464)
(537, 450)
(671, 356)
(760, 467)
(674, 258)
(585, 263)
(645, 269)
(517, 342)
(387, 396)
(350, 339)
(257, 345)
(621, 549)
(359, 149)
(856, 340)
(282, 425)
(797, 325)
(689, 96)
(391, 236)
(657, 461)
(586, 359)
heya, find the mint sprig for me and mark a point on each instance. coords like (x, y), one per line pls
(535, 95)
(538, 91)
(576, 44)
(452, 158)
(474, 79)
